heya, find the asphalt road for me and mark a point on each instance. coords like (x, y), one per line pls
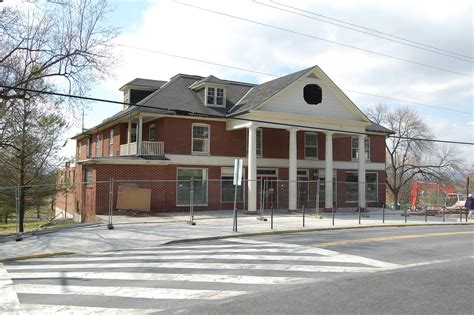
(361, 271)
(436, 276)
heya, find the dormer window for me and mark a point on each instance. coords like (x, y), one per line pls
(215, 96)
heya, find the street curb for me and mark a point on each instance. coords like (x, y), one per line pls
(45, 255)
(307, 230)
(11, 237)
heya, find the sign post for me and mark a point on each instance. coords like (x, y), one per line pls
(238, 166)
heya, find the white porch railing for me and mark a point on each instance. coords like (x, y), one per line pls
(152, 148)
(124, 149)
(147, 148)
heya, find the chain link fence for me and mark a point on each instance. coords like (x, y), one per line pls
(196, 198)
(29, 208)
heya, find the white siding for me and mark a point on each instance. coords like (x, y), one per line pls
(290, 100)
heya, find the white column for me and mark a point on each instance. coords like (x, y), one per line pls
(129, 136)
(328, 202)
(292, 191)
(252, 169)
(139, 136)
(361, 174)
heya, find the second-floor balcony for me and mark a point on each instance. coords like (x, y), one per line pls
(156, 148)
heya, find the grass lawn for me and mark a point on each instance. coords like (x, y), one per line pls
(32, 223)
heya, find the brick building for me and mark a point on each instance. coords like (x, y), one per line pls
(297, 127)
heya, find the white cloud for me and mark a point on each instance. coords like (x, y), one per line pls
(177, 29)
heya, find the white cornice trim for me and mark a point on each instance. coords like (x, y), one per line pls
(205, 160)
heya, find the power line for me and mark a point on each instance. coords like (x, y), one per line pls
(276, 76)
(190, 113)
(428, 47)
(324, 39)
(410, 102)
(195, 59)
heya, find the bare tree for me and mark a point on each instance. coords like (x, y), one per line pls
(52, 47)
(409, 158)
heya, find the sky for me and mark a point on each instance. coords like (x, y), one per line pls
(442, 96)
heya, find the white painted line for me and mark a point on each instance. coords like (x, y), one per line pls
(243, 241)
(66, 309)
(295, 248)
(130, 292)
(425, 263)
(235, 279)
(9, 300)
(257, 249)
(195, 265)
(289, 257)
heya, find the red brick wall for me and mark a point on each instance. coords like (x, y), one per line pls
(176, 133)
(163, 196)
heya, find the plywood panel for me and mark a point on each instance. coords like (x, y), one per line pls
(133, 198)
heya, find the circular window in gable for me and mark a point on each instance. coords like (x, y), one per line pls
(312, 94)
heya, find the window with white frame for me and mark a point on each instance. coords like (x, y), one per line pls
(215, 96)
(195, 178)
(311, 145)
(322, 189)
(259, 140)
(88, 177)
(151, 132)
(97, 144)
(355, 148)
(227, 185)
(79, 150)
(111, 142)
(200, 138)
(352, 187)
(88, 148)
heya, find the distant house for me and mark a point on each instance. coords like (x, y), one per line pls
(297, 127)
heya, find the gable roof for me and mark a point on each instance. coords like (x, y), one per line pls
(177, 96)
(264, 91)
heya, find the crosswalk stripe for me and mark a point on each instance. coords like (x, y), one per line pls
(237, 279)
(9, 299)
(129, 292)
(195, 265)
(71, 309)
(325, 252)
(209, 256)
(203, 251)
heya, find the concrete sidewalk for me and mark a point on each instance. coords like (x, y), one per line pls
(173, 227)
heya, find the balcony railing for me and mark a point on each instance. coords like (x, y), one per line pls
(147, 148)
(152, 148)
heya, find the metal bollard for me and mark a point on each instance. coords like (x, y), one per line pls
(110, 226)
(426, 215)
(383, 213)
(191, 202)
(332, 215)
(271, 224)
(405, 215)
(444, 215)
(235, 221)
(303, 215)
(359, 214)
